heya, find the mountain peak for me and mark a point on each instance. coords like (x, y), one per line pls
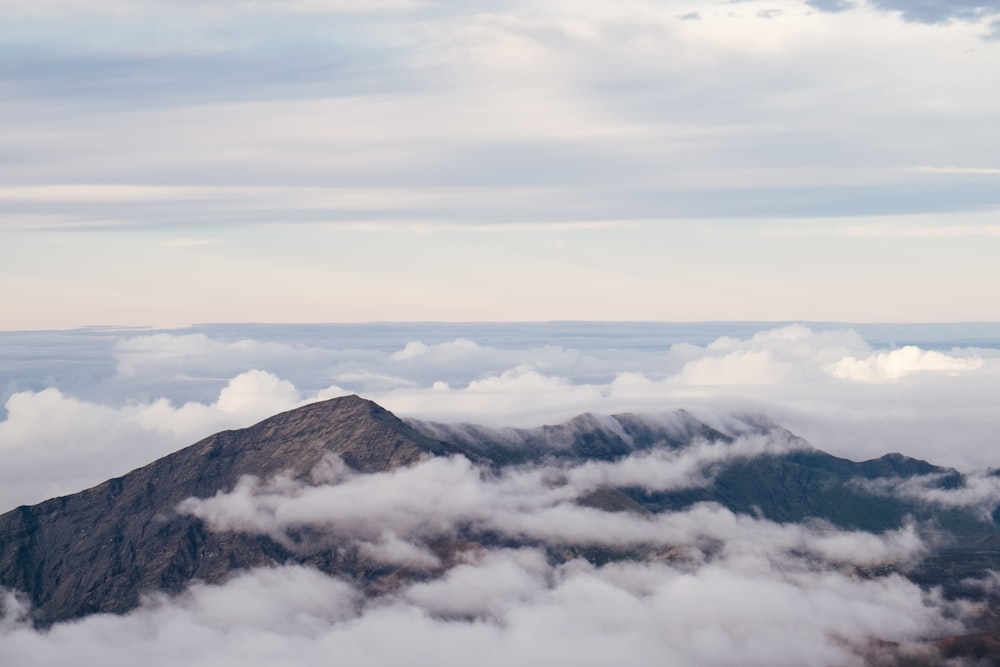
(100, 549)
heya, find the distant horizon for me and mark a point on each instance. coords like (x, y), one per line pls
(679, 322)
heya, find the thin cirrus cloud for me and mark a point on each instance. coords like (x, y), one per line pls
(984, 171)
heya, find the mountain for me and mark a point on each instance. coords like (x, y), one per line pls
(585, 437)
(101, 549)
(793, 485)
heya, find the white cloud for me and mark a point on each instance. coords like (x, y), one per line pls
(736, 368)
(496, 606)
(979, 490)
(489, 584)
(897, 364)
(529, 613)
(55, 444)
(830, 386)
(499, 606)
(257, 392)
(449, 496)
(985, 171)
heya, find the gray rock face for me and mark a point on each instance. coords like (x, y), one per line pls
(99, 550)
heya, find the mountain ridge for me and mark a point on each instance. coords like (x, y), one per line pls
(138, 542)
(101, 549)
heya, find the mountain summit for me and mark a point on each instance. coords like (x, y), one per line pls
(100, 549)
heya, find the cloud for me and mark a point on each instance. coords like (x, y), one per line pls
(257, 392)
(737, 368)
(921, 11)
(939, 11)
(448, 497)
(517, 603)
(528, 612)
(978, 490)
(175, 7)
(985, 171)
(521, 604)
(890, 231)
(488, 585)
(56, 444)
(127, 399)
(895, 365)
(582, 143)
(189, 243)
(831, 5)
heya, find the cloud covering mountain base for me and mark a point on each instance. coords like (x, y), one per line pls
(507, 606)
(701, 586)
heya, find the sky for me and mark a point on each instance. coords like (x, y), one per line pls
(168, 162)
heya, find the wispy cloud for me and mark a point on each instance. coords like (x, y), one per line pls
(985, 171)
(883, 231)
(487, 228)
(188, 243)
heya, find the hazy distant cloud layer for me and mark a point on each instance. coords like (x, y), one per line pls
(85, 406)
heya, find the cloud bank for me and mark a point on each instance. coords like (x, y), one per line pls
(132, 398)
(709, 587)
(501, 607)
(715, 589)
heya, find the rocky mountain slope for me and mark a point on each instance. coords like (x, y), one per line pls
(100, 550)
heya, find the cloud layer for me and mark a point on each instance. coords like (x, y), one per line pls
(720, 589)
(124, 399)
(504, 606)
(171, 163)
(710, 587)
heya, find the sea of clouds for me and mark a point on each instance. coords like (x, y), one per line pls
(728, 590)
(714, 588)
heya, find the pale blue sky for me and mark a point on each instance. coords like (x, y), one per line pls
(172, 162)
